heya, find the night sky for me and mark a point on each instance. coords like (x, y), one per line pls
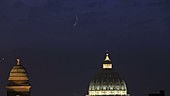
(61, 58)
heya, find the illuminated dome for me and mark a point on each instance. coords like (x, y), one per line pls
(18, 75)
(107, 82)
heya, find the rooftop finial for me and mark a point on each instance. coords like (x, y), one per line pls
(18, 61)
(107, 56)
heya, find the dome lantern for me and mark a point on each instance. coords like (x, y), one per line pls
(107, 64)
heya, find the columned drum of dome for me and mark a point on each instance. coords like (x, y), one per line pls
(18, 81)
(107, 82)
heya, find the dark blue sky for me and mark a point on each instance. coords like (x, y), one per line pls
(61, 58)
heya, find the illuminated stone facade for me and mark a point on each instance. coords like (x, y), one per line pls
(18, 81)
(107, 82)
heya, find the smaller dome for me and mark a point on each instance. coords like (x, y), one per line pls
(18, 75)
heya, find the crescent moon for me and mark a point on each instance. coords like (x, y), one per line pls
(76, 22)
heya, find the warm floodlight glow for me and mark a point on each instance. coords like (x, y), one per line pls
(18, 78)
(19, 88)
(107, 66)
(107, 93)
